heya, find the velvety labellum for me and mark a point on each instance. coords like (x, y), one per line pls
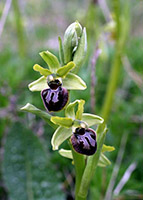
(84, 141)
(55, 97)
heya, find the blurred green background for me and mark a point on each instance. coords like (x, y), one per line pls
(27, 163)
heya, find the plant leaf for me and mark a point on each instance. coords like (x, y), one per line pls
(51, 60)
(80, 54)
(62, 121)
(32, 109)
(107, 148)
(66, 153)
(103, 161)
(27, 170)
(73, 82)
(38, 85)
(63, 71)
(80, 109)
(41, 70)
(91, 119)
(61, 51)
(59, 136)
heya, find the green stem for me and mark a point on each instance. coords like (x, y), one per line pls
(115, 69)
(92, 163)
(79, 162)
(117, 7)
(19, 28)
(112, 84)
(122, 27)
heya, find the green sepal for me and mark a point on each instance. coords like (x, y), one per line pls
(73, 82)
(51, 60)
(103, 161)
(70, 109)
(80, 54)
(62, 121)
(107, 148)
(91, 119)
(80, 109)
(32, 109)
(61, 51)
(63, 71)
(60, 135)
(66, 153)
(38, 85)
(41, 70)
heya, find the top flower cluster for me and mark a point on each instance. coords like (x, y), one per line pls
(56, 80)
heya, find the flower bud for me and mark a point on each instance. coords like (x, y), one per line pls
(56, 97)
(84, 141)
(71, 40)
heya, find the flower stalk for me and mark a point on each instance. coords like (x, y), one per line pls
(86, 145)
(79, 163)
(92, 163)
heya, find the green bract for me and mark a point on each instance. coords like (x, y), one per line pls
(44, 115)
(72, 119)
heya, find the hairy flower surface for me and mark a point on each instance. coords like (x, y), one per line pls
(84, 141)
(56, 97)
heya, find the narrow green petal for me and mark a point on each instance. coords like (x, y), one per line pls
(41, 70)
(63, 71)
(107, 148)
(62, 121)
